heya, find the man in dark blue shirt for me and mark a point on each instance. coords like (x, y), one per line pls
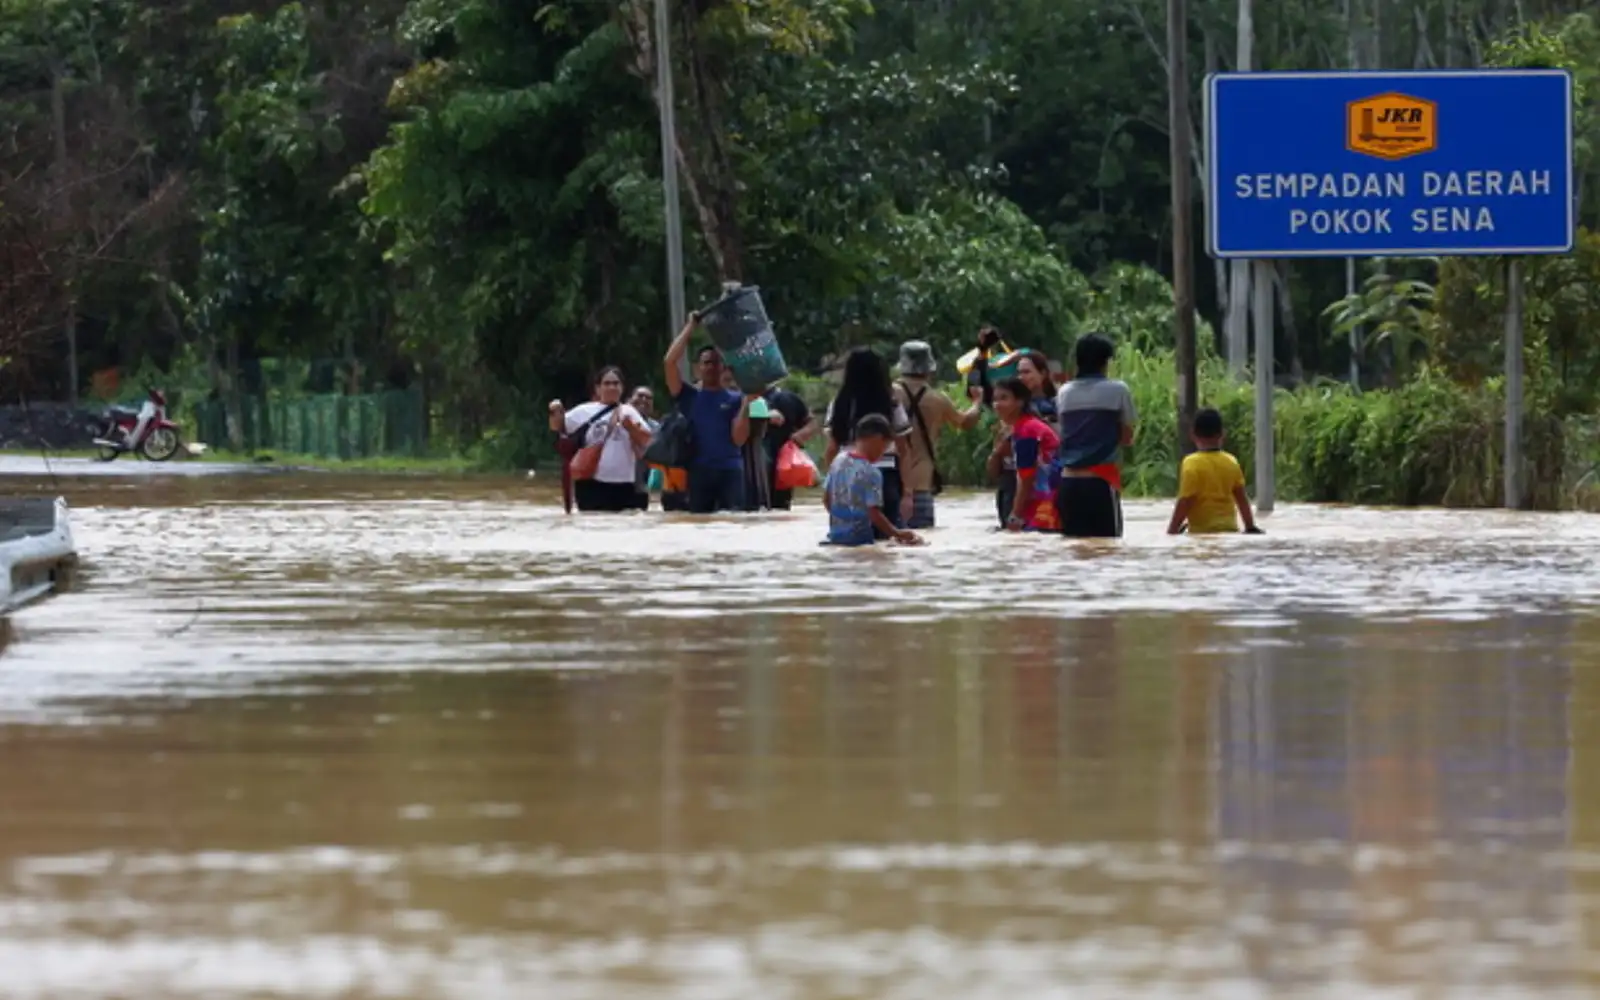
(720, 423)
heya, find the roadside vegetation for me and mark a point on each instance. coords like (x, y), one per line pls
(386, 233)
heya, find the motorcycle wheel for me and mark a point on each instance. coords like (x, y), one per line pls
(160, 444)
(107, 432)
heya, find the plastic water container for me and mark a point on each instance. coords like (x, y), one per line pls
(1002, 363)
(737, 323)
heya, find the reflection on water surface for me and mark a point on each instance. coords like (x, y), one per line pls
(300, 736)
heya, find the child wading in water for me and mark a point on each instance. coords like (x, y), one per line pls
(1211, 485)
(1033, 448)
(853, 492)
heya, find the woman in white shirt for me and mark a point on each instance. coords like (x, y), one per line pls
(865, 390)
(622, 434)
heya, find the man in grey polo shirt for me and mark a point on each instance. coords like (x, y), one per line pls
(1097, 419)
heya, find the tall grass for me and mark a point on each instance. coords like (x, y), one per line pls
(1429, 442)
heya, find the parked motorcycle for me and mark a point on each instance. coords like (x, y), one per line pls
(158, 441)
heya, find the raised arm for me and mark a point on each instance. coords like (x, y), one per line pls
(675, 354)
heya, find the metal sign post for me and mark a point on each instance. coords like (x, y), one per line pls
(1266, 444)
(1418, 164)
(1513, 456)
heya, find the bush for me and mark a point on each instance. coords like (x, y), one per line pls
(1581, 448)
(1429, 442)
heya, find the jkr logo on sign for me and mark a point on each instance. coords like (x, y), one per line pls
(1392, 126)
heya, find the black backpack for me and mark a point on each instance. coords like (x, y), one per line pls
(673, 444)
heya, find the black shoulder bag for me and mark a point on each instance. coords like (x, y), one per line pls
(568, 445)
(673, 445)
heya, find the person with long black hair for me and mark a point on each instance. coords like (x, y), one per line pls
(791, 420)
(865, 391)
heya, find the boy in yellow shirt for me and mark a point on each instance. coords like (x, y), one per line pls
(1211, 485)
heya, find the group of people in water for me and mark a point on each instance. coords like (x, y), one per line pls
(1054, 459)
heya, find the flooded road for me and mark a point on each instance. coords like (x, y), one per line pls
(308, 736)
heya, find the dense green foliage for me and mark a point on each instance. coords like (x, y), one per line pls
(463, 196)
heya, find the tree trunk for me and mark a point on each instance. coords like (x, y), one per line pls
(1450, 45)
(705, 164)
(214, 373)
(1196, 147)
(1424, 57)
(1375, 38)
(69, 305)
(171, 325)
(230, 394)
(352, 367)
(1286, 320)
(1219, 266)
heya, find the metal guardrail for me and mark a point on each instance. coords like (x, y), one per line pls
(344, 427)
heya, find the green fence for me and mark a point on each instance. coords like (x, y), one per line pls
(343, 427)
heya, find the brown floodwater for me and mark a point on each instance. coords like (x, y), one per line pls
(303, 736)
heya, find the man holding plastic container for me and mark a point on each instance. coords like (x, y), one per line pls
(720, 422)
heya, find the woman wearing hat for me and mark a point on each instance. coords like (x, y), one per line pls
(931, 412)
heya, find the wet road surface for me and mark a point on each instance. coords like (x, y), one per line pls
(315, 736)
(45, 465)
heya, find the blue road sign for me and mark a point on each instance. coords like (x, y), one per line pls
(1389, 164)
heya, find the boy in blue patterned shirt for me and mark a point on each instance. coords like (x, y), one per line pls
(853, 492)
